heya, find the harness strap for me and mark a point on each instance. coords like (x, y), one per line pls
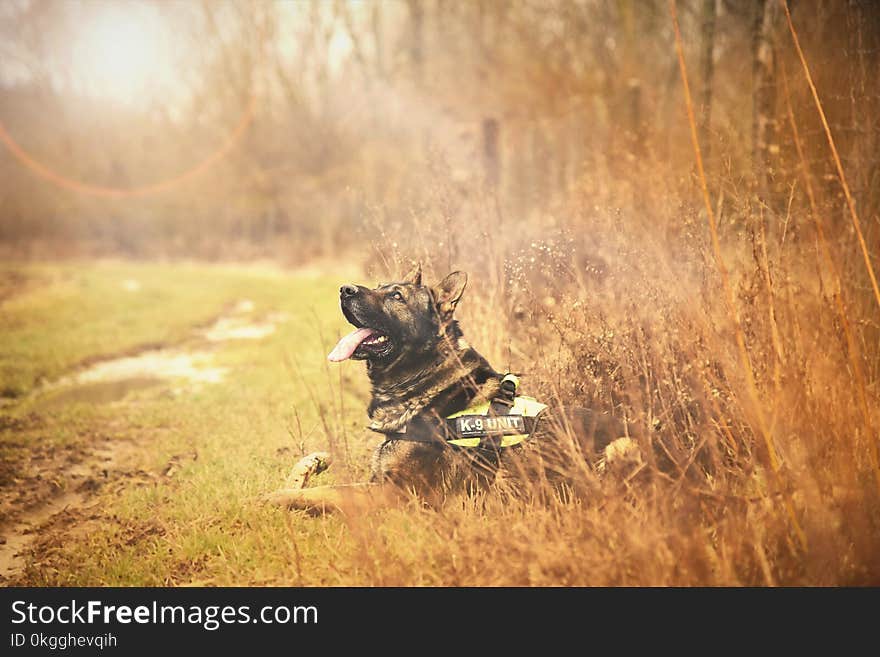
(503, 402)
(499, 407)
(504, 421)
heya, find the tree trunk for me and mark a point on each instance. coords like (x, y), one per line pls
(378, 38)
(764, 144)
(416, 38)
(491, 157)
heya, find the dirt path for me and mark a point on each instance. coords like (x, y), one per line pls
(61, 485)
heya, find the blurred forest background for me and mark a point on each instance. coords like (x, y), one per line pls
(229, 130)
(544, 146)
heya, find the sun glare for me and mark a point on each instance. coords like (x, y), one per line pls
(120, 52)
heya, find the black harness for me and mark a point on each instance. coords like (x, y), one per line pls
(504, 421)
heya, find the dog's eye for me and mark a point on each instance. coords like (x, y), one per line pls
(397, 296)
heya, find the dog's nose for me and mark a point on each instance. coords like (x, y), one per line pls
(347, 291)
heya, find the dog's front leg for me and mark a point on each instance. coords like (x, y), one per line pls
(321, 499)
(347, 498)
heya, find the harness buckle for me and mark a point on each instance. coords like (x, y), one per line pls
(507, 390)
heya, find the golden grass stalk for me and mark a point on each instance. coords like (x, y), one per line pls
(725, 281)
(839, 300)
(849, 199)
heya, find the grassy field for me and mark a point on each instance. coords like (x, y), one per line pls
(148, 407)
(186, 458)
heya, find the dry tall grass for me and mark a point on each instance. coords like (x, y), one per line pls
(618, 305)
(619, 314)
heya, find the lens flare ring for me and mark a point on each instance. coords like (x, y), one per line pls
(65, 182)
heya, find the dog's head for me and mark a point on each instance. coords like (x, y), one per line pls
(396, 318)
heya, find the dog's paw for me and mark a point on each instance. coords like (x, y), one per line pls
(306, 468)
(620, 455)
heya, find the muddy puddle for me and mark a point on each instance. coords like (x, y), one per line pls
(186, 367)
(192, 366)
(239, 325)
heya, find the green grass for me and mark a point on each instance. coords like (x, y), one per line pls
(230, 441)
(68, 314)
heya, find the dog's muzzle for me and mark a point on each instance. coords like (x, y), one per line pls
(364, 341)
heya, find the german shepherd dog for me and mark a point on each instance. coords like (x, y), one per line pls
(421, 370)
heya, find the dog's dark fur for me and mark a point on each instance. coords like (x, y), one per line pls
(422, 371)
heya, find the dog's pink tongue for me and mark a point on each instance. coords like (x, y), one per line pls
(346, 346)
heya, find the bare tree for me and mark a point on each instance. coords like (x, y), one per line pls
(764, 32)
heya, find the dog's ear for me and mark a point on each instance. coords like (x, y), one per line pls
(415, 276)
(449, 291)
